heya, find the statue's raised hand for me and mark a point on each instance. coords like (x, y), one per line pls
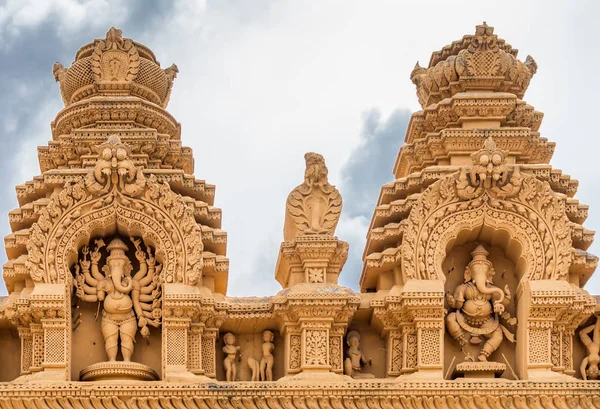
(79, 293)
(95, 256)
(499, 308)
(140, 255)
(85, 265)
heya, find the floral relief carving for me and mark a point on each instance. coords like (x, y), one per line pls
(315, 347)
(295, 352)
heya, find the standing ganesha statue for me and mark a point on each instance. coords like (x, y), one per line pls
(128, 302)
(479, 307)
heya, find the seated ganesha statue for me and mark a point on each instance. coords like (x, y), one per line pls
(479, 307)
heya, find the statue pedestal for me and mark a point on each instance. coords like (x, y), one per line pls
(479, 369)
(118, 371)
(311, 258)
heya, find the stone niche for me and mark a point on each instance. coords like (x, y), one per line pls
(11, 354)
(372, 345)
(250, 347)
(457, 259)
(87, 337)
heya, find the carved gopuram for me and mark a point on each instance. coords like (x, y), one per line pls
(471, 293)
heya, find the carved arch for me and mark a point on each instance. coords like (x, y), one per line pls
(532, 214)
(74, 214)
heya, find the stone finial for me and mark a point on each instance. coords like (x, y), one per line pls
(313, 207)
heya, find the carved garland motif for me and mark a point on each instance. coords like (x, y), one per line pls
(117, 193)
(520, 204)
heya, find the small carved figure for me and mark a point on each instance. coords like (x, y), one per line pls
(230, 350)
(266, 362)
(356, 359)
(124, 297)
(589, 365)
(479, 307)
(313, 207)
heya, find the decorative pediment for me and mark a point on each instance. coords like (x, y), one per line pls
(116, 194)
(494, 194)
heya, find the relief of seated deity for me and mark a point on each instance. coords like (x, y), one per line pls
(479, 307)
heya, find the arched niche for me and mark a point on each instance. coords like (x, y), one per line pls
(532, 224)
(516, 246)
(457, 258)
(158, 215)
(87, 340)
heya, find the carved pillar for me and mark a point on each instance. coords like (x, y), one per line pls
(548, 311)
(37, 346)
(51, 331)
(26, 338)
(190, 329)
(395, 355)
(55, 341)
(208, 345)
(314, 319)
(195, 348)
(412, 320)
(176, 324)
(336, 350)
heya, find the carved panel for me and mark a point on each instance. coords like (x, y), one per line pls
(315, 347)
(208, 354)
(395, 350)
(54, 341)
(175, 344)
(430, 352)
(37, 335)
(335, 353)
(26, 349)
(295, 352)
(539, 350)
(411, 350)
(194, 350)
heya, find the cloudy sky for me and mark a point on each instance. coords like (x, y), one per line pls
(262, 82)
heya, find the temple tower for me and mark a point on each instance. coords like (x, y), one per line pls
(474, 171)
(117, 194)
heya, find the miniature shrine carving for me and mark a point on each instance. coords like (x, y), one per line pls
(313, 207)
(590, 365)
(356, 359)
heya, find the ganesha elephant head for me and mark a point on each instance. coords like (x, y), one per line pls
(118, 266)
(481, 271)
